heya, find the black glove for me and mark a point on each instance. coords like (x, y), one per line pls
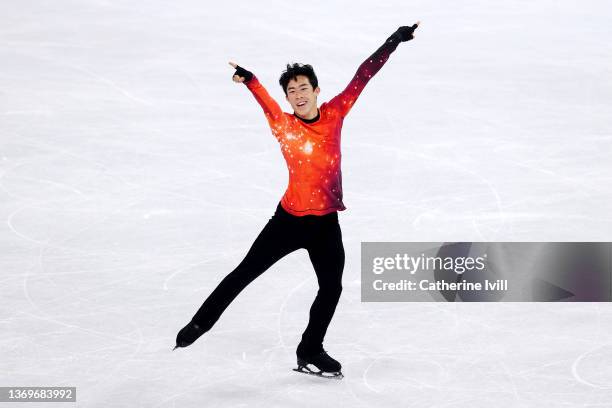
(404, 33)
(241, 72)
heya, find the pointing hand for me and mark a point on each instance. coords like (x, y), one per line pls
(241, 74)
(406, 33)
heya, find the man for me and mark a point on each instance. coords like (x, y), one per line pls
(307, 215)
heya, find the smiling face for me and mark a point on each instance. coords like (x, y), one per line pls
(302, 97)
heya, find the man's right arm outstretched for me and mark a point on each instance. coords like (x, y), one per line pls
(271, 108)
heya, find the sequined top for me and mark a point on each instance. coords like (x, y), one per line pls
(312, 148)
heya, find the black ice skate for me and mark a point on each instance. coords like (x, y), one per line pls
(188, 335)
(321, 365)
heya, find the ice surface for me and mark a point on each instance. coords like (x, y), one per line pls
(134, 174)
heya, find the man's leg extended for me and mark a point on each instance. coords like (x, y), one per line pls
(327, 255)
(277, 239)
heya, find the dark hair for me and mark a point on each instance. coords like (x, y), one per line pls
(293, 70)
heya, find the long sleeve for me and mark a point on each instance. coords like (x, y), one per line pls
(344, 101)
(271, 108)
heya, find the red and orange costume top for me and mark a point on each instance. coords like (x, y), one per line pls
(312, 147)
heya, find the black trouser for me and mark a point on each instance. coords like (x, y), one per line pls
(283, 234)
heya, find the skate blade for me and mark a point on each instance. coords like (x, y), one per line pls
(329, 375)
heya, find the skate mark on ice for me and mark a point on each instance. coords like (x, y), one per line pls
(580, 378)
